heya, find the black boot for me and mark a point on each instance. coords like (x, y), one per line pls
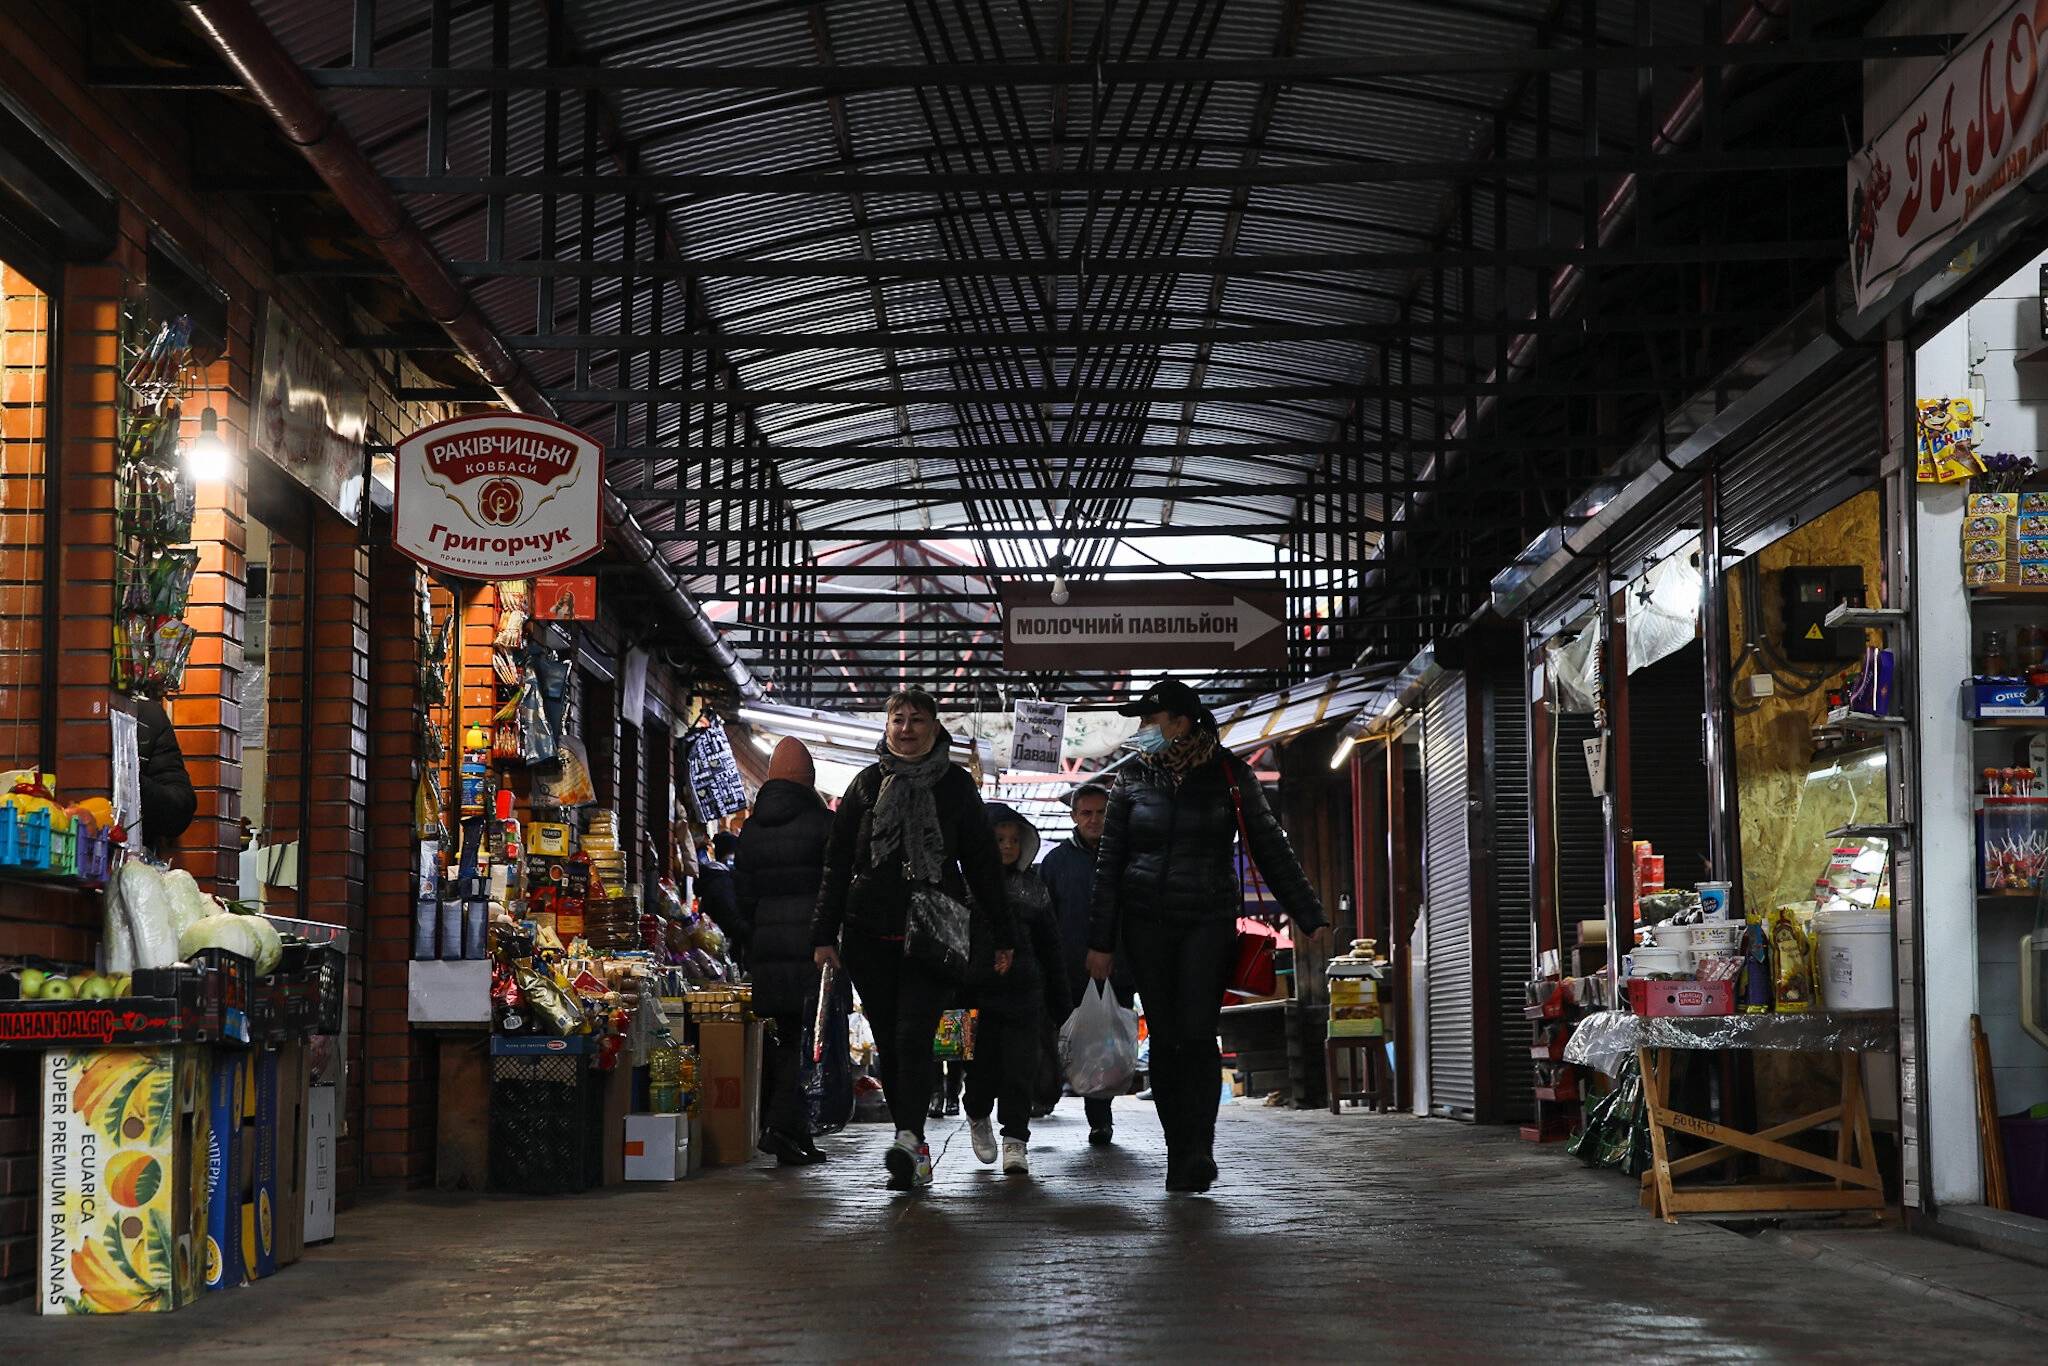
(1199, 1171)
(785, 1149)
(1177, 1171)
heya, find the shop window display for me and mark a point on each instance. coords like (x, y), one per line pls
(1802, 772)
(24, 417)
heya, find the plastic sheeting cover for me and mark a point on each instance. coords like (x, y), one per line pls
(1575, 669)
(1664, 608)
(1605, 1037)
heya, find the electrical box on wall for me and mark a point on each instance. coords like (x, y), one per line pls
(1811, 592)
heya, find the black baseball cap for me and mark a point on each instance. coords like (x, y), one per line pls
(1173, 697)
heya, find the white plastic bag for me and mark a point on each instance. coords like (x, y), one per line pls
(146, 905)
(1099, 1044)
(115, 939)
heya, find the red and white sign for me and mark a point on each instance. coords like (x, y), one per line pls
(499, 496)
(1972, 133)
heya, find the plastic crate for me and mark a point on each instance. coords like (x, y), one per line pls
(24, 840)
(95, 857)
(547, 1124)
(64, 852)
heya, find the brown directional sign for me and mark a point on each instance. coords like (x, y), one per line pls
(1200, 624)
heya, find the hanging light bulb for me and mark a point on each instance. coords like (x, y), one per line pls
(206, 455)
(1059, 590)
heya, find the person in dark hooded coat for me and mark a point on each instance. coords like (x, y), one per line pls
(1011, 1004)
(776, 871)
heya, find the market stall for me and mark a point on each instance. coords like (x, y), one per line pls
(592, 1024)
(1606, 1040)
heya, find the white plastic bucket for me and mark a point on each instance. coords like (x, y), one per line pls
(1853, 959)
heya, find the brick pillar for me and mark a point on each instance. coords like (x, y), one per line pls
(93, 297)
(332, 863)
(402, 1066)
(207, 708)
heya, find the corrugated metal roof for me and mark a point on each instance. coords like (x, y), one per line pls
(960, 444)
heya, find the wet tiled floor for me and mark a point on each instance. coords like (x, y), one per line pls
(1347, 1239)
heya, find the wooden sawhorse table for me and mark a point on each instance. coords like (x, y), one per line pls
(1854, 1181)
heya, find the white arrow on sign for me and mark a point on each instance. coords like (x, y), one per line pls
(1240, 624)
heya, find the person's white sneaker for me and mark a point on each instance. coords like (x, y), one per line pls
(983, 1138)
(1015, 1163)
(907, 1160)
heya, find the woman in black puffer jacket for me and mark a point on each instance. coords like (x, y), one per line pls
(1166, 880)
(776, 872)
(912, 819)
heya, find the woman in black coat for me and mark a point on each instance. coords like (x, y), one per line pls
(912, 819)
(776, 871)
(1166, 880)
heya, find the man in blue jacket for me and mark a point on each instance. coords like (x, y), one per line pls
(1069, 876)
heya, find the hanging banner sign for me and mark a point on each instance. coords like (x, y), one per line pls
(499, 496)
(1970, 136)
(1038, 734)
(1199, 624)
(311, 415)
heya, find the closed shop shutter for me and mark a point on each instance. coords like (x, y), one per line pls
(1447, 891)
(1514, 944)
(1822, 454)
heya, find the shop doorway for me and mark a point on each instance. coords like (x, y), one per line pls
(276, 741)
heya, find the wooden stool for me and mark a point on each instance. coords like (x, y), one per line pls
(1370, 1059)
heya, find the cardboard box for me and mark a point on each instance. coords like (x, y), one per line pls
(292, 1115)
(223, 1268)
(2004, 503)
(657, 1147)
(1985, 524)
(124, 1177)
(729, 1075)
(322, 1134)
(2010, 697)
(1680, 998)
(548, 840)
(617, 1099)
(260, 1186)
(1996, 575)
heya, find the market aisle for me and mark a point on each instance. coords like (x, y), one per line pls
(1369, 1237)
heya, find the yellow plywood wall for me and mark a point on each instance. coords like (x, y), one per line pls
(1786, 811)
(1785, 815)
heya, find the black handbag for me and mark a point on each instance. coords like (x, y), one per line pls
(937, 931)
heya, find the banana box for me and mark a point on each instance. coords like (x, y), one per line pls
(259, 1176)
(224, 1169)
(1355, 1008)
(123, 1185)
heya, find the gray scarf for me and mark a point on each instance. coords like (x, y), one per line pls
(905, 829)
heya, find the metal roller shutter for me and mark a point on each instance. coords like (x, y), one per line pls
(1447, 891)
(1823, 453)
(1581, 823)
(1514, 945)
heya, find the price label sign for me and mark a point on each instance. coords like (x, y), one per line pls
(1038, 732)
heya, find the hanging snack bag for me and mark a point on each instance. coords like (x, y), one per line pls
(567, 781)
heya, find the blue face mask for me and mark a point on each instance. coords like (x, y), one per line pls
(1150, 740)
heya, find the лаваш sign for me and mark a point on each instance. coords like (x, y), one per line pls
(1968, 138)
(499, 496)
